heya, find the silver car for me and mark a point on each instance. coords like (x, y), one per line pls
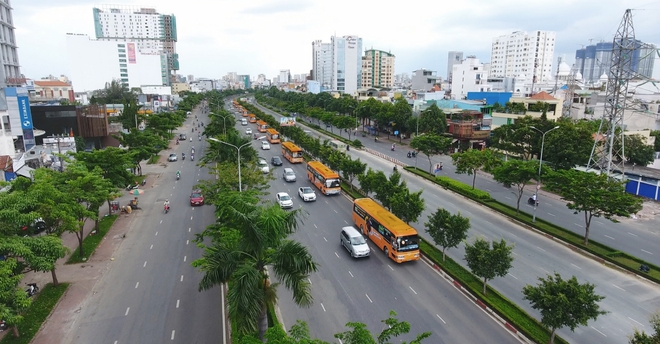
(284, 200)
(307, 194)
(288, 175)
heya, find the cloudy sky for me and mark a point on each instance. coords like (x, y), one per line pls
(264, 36)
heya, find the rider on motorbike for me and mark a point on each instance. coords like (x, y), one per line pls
(178, 174)
(166, 205)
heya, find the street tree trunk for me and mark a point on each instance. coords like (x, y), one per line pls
(263, 323)
(485, 284)
(587, 225)
(474, 178)
(14, 331)
(552, 336)
(54, 275)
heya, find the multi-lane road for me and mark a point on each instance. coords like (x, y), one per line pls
(150, 295)
(629, 300)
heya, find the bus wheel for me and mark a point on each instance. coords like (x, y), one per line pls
(387, 252)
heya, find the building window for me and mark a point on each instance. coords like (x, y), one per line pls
(122, 60)
(123, 70)
(121, 50)
(122, 55)
(122, 65)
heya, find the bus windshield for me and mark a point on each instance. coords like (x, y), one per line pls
(332, 183)
(408, 243)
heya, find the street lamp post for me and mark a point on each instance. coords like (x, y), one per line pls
(224, 130)
(538, 180)
(238, 150)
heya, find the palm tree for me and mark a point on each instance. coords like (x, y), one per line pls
(253, 237)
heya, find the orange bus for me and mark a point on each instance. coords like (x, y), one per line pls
(292, 152)
(245, 113)
(273, 136)
(262, 126)
(397, 239)
(252, 118)
(323, 178)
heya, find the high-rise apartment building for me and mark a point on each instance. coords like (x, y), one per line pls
(153, 33)
(337, 65)
(285, 76)
(8, 47)
(377, 69)
(469, 76)
(453, 58)
(522, 54)
(595, 60)
(322, 64)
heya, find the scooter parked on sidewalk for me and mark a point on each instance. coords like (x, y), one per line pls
(32, 289)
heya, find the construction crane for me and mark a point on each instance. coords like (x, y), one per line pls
(608, 153)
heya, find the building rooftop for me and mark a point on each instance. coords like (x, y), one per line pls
(543, 95)
(51, 83)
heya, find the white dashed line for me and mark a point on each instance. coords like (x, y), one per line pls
(335, 211)
(640, 324)
(150, 247)
(645, 251)
(579, 268)
(189, 229)
(310, 281)
(322, 306)
(633, 234)
(127, 309)
(607, 236)
(616, 286)
(413, 290)
(181, 278)
(315, 226)
(551, 214)
(187, 242)
(346, 222)
(172, 338)
(156, 233)
(350, 273)
(540, 248)
(578, 225)
(389, 266)
(368, 298)
(440, 319)
(336, 254)
(326, 240)
(546, 271)
(598, 331)
(161, 221)
(145, 264)
(137, 284)
(177, 303)
(513, 276)
(191, 218)
(184, 258)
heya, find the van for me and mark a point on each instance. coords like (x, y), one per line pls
(354, 242)
(243, 121)
(338, 145)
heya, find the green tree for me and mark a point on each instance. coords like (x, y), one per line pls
(113, 161)
(13, 299)
(345, 123)
(351, 168)
(516, 173)
(406, 205)
(656, 143)
(36, 253)
(594, 195)
(393, 185)
(473, 160)
(640, 337)
(430, 145)
(518, 138)
(488, 262)
(401, 112)
(447, 230)
(370, 181)
(433, 121)
(115, 92)
(368, 109)
(568, 146)
(263, 232)
(637, 151)
(563, 302)
(142, 145)
(359, 334)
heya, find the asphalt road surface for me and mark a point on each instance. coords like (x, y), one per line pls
(629, 300)
(365, 290)
(638, 237)
(150, 294)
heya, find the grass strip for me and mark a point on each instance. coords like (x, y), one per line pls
(154, 159)
(36, 314)
(604, 252)
(92, 241)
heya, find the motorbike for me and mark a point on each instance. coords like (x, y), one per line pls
(32, 289)
(132, 187)
(183, 156)
(178, 176)
(200, 138)
(531, 201)
(255, 136)
(192, 157)
(395, 168)
(392, 148)
(191, 139)
(166, 209)
(3, 325)
(177, 141)
(413, 154)
(409, 155)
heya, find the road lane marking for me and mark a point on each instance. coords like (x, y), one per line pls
(336, 254)
(350, 273)
(616, 286)
(512, 275)
(576, 266)
(172, 338)
(345, 221)
(188, 229)
(145, 264)
(322, 306)
(181, 278)
(546, 271)
(127, 309)
(645, 251)
(389, 266)
(577, 224)
(177, 303)
(191, 218)
(309, 280)
(441, 319)
(507, 197)
(633, 234)
(413, 290)
(598, 222)
(137, 284)
(315, 226)
(161, 221)
(152, 246)
(184, 258)
(326, 240)
(335, 211)
(156, 233)
(551, 214)
(607, 236)
(598, 331)
(540, 248)
(368, 298)
(640, 324)
(187, 242)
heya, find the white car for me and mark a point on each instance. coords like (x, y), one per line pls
(307, 194)
(173, 157)
(265, 145)
(284, 200)
(263, 165)
(248, 131)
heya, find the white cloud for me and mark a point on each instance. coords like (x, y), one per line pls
(264, 36)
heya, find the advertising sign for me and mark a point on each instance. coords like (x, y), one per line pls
(131, 53)
(287, 121)
(26, 120)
